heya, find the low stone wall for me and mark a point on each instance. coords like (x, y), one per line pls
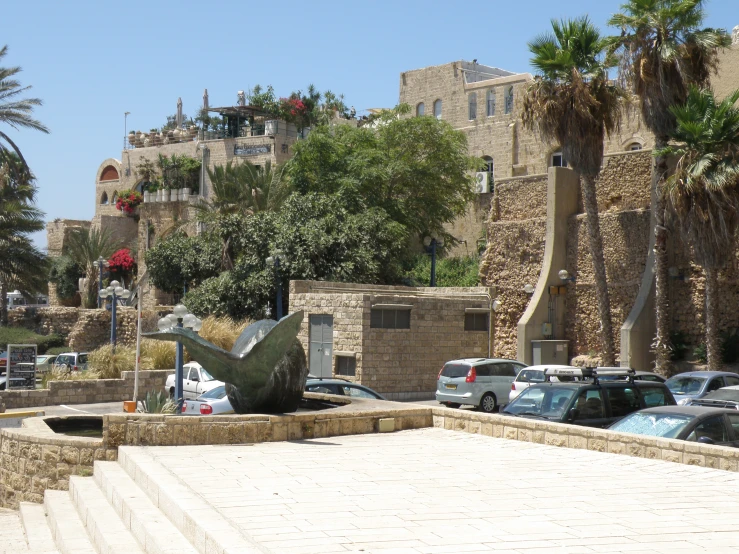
(34, 458)
(87, 391)
(587, 438)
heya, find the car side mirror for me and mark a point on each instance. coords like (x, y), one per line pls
(706, 440)
(573, 414)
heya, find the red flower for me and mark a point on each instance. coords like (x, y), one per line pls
(121, 261)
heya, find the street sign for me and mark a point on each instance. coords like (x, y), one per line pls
(20, 370)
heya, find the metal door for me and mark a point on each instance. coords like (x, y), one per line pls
(321, 345)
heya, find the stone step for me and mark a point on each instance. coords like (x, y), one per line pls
(12, 538)
(104, 527)
(36, 526)
(199, 522)
(146, 522)
(66, 526)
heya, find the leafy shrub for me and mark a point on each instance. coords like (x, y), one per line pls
(65, 273)
(450, 272)
(156, 402)
(56, 350)
(678, 346)
(700, 353)
(109, 365)
(21, 335)
(180, 259)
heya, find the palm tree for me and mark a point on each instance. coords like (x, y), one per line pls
(85, 246)
(14, 111)
(243, 189)
(662, 52)
(572, 102)
(704, 191)
(21, 263)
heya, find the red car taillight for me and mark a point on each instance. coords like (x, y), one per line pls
(75, 368)
(184, 407)
(471, 376)
(206, 409)
(513, 386)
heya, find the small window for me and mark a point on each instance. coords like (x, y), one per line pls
(558, 160)
(115, 197)
(716, 384)
(346, 366)
(634, 146)
(712, 428)
(104, 198)
(653, 396)
(83, 358)
(731, 381)
(455, 371)
(623, 401)
(491, 103)
(473, 105)
(356, 392)
(590, 405)
(484, 370)
(509, 100)
(390, 319)
(503, 370)
(476, 322)
(437, 109)
(420, 109)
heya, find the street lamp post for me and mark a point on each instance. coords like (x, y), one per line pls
(432, 243)
(125, 128)
(179, 317)
(115, 291)
(274, 260)
(101, 262)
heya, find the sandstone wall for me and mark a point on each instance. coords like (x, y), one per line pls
(624, 182)
(625, 242)
(57, 232)
(88, 391)
(45, 321)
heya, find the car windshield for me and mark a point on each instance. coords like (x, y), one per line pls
(655, 425)
(206, 376)
(454, 371)
(723, 394)
(41, 359)
(216, 393)
(685, 385)
(547, 402)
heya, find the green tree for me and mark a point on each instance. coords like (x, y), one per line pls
(572, 102)
(84, 247)
(14, 111)
(662, 51)
(22, 265)
(179, 260)
(416, 169)
(704, 192)
(65, 274)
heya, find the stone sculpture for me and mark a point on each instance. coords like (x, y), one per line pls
(265, 371)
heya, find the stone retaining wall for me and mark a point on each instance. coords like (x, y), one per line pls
(34, 458)
(86, 391)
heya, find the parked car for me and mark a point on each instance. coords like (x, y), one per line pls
(591, 402)
(531, 375)
(638, 376)
(71, 361)
(696, 384)
(481, 382)
(726, 397)
(690, 423)
(342, 387)
(195, 381)
(44, 363)
(213, 402)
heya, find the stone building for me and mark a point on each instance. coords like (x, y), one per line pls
(392, 339)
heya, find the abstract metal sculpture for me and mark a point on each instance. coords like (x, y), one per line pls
(265, 371)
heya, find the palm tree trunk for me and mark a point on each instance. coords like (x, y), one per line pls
(713, 345)
(599, 269)
(3, 304)
(661, 345)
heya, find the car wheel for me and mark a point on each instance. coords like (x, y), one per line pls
(488, 403)
(452, 405)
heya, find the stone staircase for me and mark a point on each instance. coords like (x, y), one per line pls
(132, 506)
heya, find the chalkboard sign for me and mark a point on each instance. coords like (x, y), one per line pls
(21, 366)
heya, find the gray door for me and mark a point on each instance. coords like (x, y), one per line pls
(321, 345)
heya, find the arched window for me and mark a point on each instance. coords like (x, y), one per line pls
(491, 102)
(115, 197)
(557, 159)
(420, 109)
(473, 105)
(509, 100)
(437, 109)
(634, 146)
(110, 173)
(104, 198)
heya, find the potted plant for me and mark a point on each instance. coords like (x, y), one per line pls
(128, 200)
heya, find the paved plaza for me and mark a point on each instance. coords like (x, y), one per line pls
(436, 491)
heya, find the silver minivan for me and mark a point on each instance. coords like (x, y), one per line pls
(481, 382)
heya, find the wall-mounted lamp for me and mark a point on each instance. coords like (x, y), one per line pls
(528, 288)
(496, 305)
(565, 276)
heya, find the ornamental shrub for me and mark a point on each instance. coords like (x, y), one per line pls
(179, 259)
(64, 273)
(121, 262)
(128, 200)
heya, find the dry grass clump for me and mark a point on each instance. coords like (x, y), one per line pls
(67, 375)
(157, 354)
(222, 331)
(109, 365)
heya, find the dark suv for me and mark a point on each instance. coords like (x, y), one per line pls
(590, 402)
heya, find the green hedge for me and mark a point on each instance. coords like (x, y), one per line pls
(20, 335)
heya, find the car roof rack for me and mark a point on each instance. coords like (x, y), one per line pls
(581, 372)
(613, 372)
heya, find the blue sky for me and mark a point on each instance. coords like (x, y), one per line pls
(91, 61)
